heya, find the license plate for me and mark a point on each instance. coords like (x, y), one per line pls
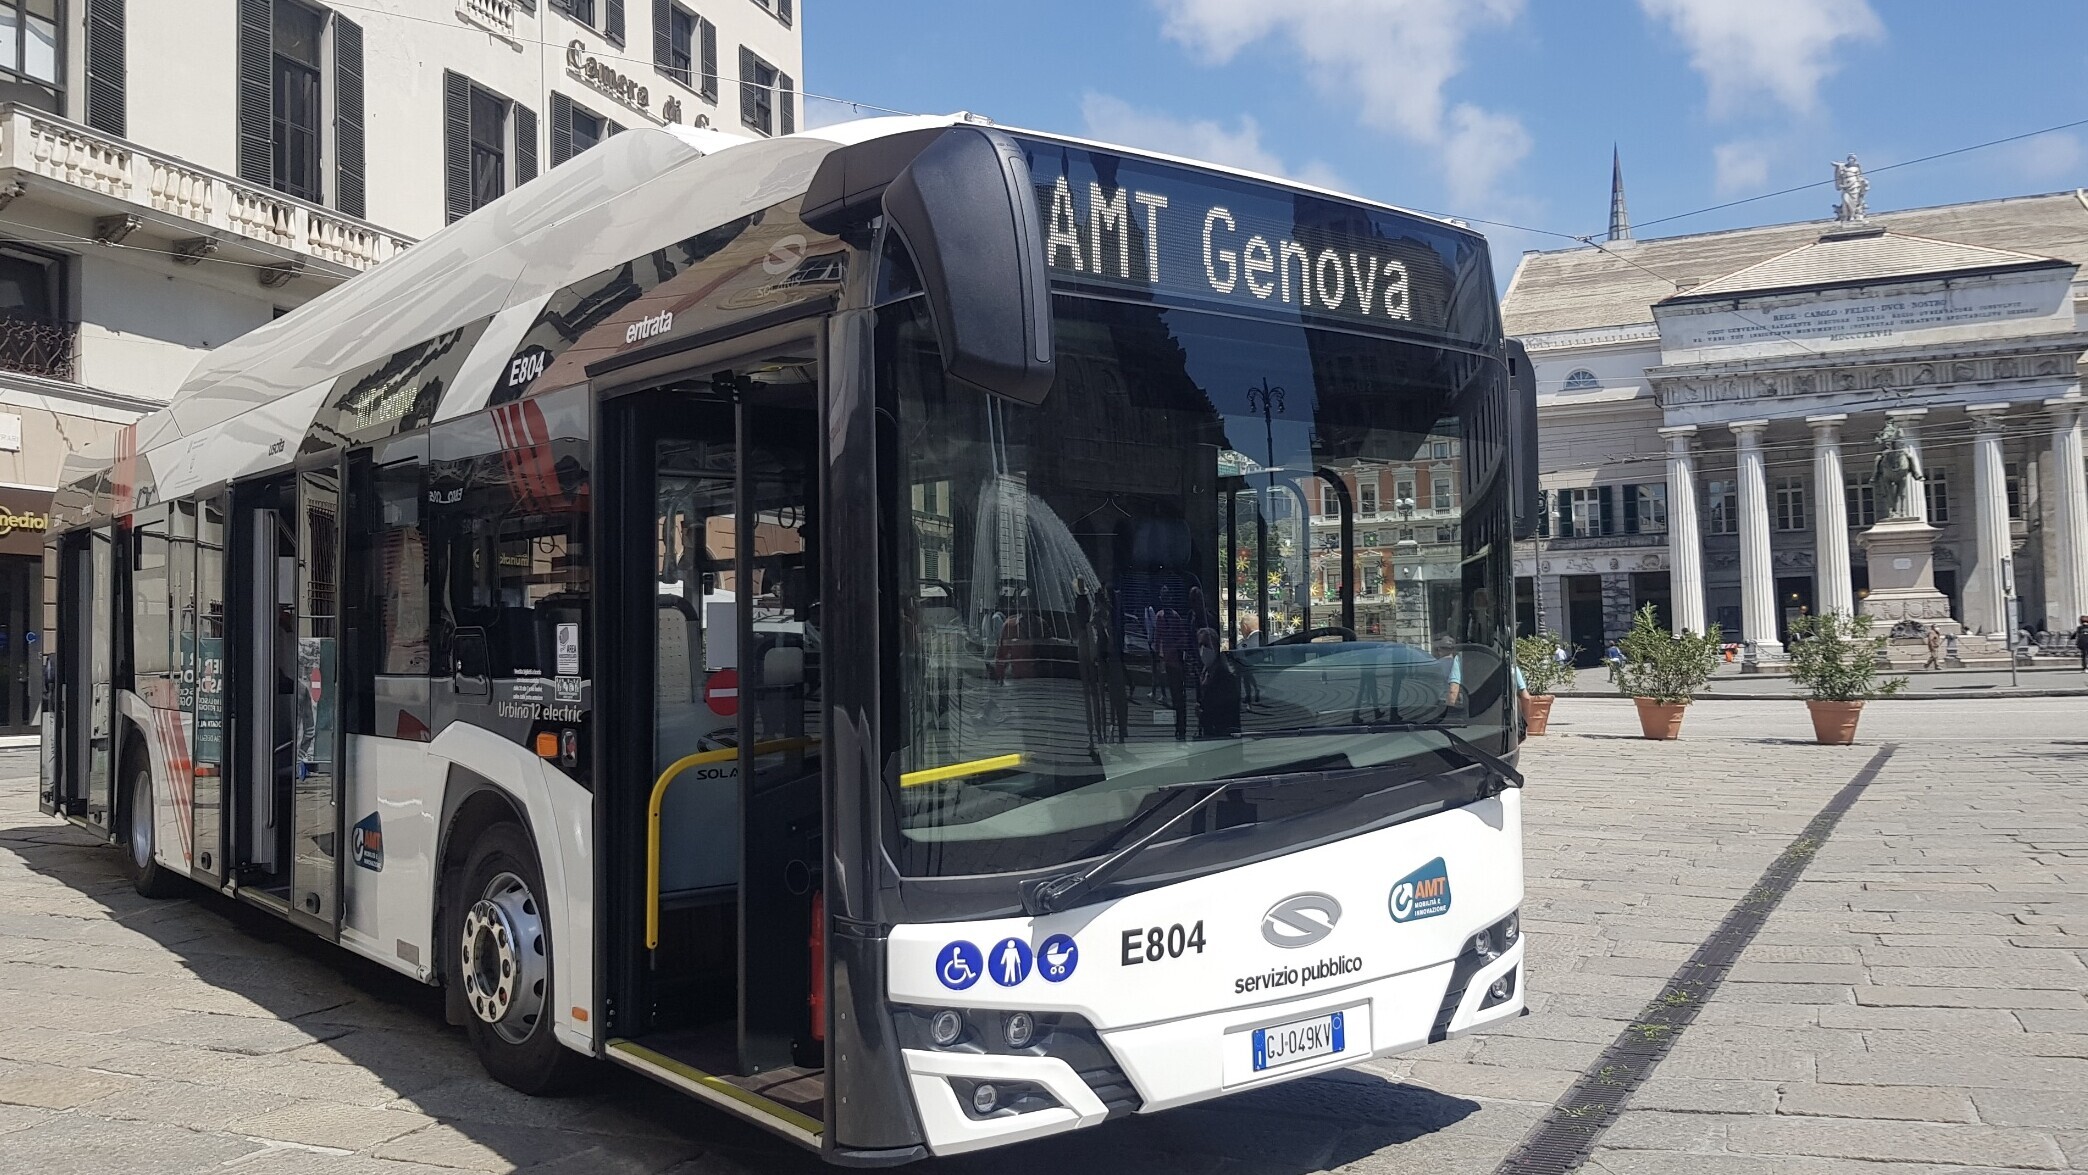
(1299, 1040)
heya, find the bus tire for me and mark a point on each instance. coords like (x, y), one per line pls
(498, 952)
(146, 875)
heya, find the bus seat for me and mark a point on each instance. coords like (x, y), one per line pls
(673, 678)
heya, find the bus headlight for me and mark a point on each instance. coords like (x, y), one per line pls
(1018, 1029)
(945, 1027)
(985, 1099)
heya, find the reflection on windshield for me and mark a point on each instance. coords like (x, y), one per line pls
(1218, 548)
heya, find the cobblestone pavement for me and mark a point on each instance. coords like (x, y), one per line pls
(1914, 1006)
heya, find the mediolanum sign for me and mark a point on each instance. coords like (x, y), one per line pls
(24, 517)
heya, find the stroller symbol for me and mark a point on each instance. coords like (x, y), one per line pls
(959, 965)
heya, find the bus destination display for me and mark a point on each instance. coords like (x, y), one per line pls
(1127, 226)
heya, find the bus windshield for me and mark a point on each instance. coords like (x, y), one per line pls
(1220, 547)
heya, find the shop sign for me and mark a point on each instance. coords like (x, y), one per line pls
(606, 78)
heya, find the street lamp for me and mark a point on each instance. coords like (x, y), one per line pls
(1269, 402)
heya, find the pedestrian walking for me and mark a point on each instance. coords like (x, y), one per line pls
(2080, 640)
(1614, 658)
(1935, 648)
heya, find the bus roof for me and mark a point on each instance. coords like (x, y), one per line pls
(625, 197)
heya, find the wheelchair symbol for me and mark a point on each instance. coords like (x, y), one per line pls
(959, 965)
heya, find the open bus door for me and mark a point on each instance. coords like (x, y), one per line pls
(82, 696)
(716, 748)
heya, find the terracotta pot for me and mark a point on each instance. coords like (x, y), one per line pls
(1538, 713)
(1834, 723)
(1660, 721)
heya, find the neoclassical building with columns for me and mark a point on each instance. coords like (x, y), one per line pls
(1711, 407)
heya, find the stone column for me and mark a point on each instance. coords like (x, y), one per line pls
(2070, 514)
(1685, 546)
(1831, 516)
(1986, 598)
(1910, 432)
(1757, 573)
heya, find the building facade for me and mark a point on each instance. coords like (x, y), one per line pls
(1713, 409)
(174, 175)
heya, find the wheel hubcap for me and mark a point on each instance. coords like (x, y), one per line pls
(140, 822)
(504, 959)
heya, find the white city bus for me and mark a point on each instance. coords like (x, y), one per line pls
(896, 631)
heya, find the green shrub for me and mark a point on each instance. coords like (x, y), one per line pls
(1538, 658)
(1836, 658)
(1666, 666)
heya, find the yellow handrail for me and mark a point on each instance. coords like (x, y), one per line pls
(652, 818)
(960, 770)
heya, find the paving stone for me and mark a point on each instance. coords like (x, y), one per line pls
(329, 1124)
(1972, 1072)
(1700, 1095)
(1862, 1016)
(1910, 1142)
(2041, 1020)
(1959, 997)
(1912, 1103)
(484, 1146)
(79, 1144)
(2032, 1107)
(56, 1088)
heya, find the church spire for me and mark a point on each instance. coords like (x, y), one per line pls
(1620, 220)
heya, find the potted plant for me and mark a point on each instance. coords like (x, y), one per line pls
(1663, 671)
(1836, 659)
(1544, 671)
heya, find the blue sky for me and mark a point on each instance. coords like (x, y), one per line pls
(1506, 109)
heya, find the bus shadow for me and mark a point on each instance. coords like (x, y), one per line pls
(280, 1014)
(247, 1007)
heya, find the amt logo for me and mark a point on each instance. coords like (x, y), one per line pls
(1424, 893)
(366, 843)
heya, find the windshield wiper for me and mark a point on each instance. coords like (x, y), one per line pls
(1501, 775)
(1058, 893)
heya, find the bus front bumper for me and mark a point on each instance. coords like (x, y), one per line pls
(1176, 1062)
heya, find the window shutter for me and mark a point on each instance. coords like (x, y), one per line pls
(663, 24)
(561, 128)
(783, 11)
(786, 104)
(1564, 499)
(106, 73)
(708, 87)
(613, 21)
(348, 116)
(525, 144)
(611, 128)
(1631, 518)
(749, 93)
(256, 92)
(1606, 496)
(456, 144)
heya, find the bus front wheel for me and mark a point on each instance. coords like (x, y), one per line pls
(146, 875)
(500, 955)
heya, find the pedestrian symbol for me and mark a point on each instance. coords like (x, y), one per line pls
(958, 965)
(1057, 958)
(1011, 961)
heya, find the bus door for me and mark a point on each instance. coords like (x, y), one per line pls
(285, 801)
(715, 509)
(83, 699)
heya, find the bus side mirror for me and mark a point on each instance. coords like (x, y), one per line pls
(1524, 505)
(965, 209)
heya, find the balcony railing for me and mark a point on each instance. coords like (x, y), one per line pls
(34, 345)
(187, 198)
(497, 16)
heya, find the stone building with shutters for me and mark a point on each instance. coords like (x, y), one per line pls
(173, 175)
(1712, 408)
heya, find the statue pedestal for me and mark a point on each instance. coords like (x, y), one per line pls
(1901, 554)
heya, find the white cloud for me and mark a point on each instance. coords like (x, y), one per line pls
(1782, 49)
(1389, 59)
(1740, 168)
(1114, 120)
(1480, 147)
(2058, 155)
